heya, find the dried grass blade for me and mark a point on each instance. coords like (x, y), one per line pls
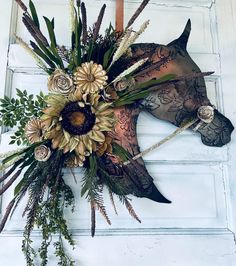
(131, 210)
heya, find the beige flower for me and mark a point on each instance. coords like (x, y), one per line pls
(90, 78)
(206, 114)
(124, 84)
(76, 125)
(42, 153)
(34, 130)
(60, 82)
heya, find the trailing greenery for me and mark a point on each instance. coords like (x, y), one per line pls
(48, 196)
(16, 112)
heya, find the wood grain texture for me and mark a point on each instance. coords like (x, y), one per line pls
(119, 15)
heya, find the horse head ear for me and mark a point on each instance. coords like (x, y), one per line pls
(183, 39)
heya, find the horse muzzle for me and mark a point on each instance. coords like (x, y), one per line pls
(218, 132)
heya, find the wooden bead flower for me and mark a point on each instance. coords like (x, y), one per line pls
(34, 130)
(90, 78)
(206, 114)
(60, 82)
(42, 153)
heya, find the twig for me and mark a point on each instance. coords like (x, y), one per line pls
(93, 218)
(73, 174)
(158, 144)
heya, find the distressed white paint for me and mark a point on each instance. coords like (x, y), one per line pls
(196, 228)
(4, 41)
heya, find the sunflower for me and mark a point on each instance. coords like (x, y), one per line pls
(74, 124)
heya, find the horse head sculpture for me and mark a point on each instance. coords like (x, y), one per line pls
(173, 102)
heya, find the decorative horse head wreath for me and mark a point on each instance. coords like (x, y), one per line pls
(98, 87)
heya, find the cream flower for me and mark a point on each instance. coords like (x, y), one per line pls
(90, 78)
(34, 131)
(60, 82)
(124, 84)
(206, 114)
(76, 125)
(42, 153)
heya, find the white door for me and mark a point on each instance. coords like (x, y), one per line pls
(198, 228)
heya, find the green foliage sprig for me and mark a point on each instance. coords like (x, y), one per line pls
(16, 112)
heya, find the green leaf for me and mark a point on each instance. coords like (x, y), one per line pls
(53, 23)
(123, 154)
(34, 14)
(41, 54)
(21, 184)
(51, 32)
(155, 81)
(107, 57)
(50, 27)
(89, 185)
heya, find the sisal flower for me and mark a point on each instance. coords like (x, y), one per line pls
(42, 153)
(206, 114)
(124, 84)
(34, 130)
(60, 82)
(76, 125)
(90, 78)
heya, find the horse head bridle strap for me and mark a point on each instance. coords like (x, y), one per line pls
(205, 114)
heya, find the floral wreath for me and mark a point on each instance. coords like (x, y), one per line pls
(72, 125)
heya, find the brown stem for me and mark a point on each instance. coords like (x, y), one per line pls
(93, 218)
